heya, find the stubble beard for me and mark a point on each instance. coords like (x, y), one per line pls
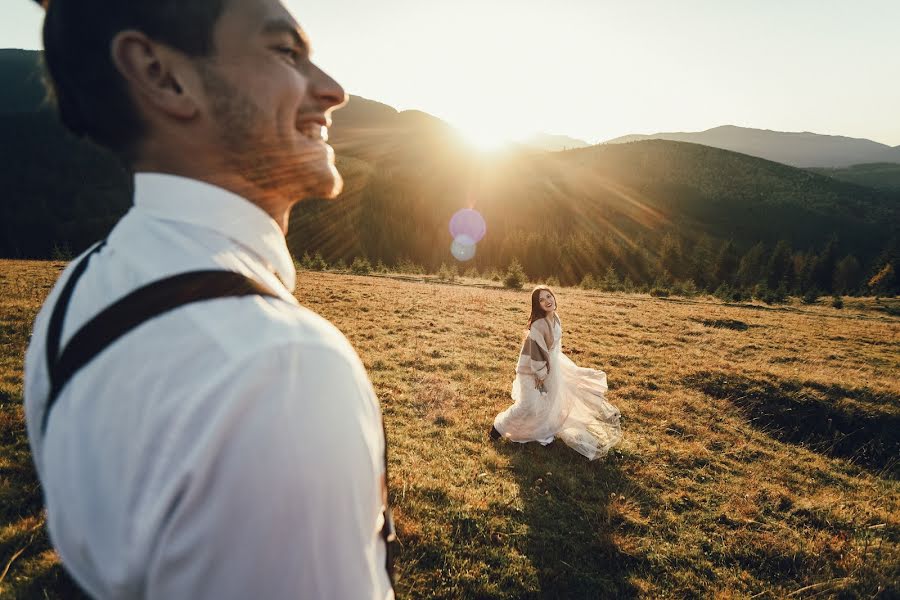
(275, 166)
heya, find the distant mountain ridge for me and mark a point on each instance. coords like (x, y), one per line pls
(553, 142)
(802, 150)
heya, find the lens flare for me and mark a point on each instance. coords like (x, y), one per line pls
(463, 248)
(468, 222)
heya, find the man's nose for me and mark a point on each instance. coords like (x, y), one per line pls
(328, 91)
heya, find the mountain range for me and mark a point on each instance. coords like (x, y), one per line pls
(796, 149)
(632, 206)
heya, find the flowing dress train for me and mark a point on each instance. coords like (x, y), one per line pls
(572, 407)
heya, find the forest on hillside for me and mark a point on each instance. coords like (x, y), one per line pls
(644, 214)
(675, 219)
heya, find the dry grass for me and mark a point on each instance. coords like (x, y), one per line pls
(760, 456)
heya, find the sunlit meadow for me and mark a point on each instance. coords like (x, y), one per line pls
(760, 452)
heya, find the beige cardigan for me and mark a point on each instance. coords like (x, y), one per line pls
(534, 359)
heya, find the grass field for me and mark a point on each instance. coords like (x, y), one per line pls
(760, 455)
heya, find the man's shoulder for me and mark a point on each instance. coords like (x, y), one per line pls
(257, 325)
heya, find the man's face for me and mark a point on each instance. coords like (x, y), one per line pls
(269, 105)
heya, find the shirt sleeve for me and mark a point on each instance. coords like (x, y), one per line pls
(283, 495)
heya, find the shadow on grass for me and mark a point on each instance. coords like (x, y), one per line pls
(570, 518)
(858, 424)
(723, 324)
(23, 539)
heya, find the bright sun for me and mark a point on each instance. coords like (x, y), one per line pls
(484, 139)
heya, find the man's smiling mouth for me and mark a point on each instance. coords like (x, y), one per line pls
(314, 131)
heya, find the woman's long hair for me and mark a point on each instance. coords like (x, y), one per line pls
(536, 311)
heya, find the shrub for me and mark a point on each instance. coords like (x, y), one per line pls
(340, 265)
(610, 281)
(446, 273)
(810, 297)
(659, 292)
(305, 261)
(380, 267)
(318, 263)
(472, 273)
(494, 275)
(588, 282)
(628, 285)
(726, 293)
(663, 282)
(515, 275)
(405, 265)
(769, 296)
(686, 288)
(61, 252)
(361, 266)
(837, 301)
(553, 281)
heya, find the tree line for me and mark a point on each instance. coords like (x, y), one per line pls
(770, 273)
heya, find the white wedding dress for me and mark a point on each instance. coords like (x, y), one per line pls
(574, 407)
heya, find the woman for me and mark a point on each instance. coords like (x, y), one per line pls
(554, 397)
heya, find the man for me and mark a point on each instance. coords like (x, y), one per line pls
(230, 448)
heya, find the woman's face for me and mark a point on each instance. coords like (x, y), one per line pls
(547, 301)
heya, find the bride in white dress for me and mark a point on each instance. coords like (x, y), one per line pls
(554, 397)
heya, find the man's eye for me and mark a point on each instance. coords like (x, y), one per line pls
(288, 51)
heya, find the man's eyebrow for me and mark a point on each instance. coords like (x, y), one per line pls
(276, 26)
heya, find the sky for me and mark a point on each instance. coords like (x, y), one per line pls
(598, 69)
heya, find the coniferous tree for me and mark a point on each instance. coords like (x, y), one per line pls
(779, 272)
(515, 275)
(847, 275)
(610, 281)
(823, 272)
(804, 265)
(670, 256)
(752, 266)
(702, 263)
(318, 263)
(726, 265)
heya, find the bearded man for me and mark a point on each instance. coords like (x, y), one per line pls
(198, 433)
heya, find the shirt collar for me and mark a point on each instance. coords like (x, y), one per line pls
(175, 198)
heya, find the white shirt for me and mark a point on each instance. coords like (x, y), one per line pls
(228, 449)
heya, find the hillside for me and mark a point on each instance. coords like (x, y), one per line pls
(796, 149)
(881, 176)
(652, 210)
(548, 210)
(21, 81)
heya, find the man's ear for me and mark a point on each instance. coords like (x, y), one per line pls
(154, 73)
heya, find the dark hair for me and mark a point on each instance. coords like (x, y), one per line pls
(90, 93)
(536, 311)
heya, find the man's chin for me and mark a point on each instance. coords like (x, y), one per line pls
(327, 185)
(337, 184)
(327, 182)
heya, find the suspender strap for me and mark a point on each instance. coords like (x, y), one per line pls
(126, 314)
(388, 533)
(54, 330)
